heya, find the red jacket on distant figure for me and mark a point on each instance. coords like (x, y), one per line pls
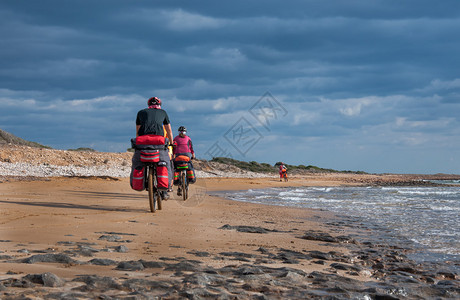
(282, 167)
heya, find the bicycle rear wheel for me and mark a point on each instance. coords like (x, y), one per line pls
(152, 189)
(158, 199)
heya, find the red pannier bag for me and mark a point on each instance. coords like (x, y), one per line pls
(191, 176)
(150, 156)
(150, 139)
(176, 178)
(181, 162)
(182, 158)
(162, 176)
(138, 179)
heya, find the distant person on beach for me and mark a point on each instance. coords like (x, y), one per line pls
(283, 169)
(152, 121)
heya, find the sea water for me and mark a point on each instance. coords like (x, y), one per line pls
(427, 216)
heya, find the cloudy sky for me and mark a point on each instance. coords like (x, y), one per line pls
(349, 85)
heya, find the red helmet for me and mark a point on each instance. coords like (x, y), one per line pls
(154, 101)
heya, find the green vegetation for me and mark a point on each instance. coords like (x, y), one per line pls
(248, 166)
(37, 145)
(267, 168)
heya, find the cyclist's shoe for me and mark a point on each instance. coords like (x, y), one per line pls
(179, 193)
(164, 195)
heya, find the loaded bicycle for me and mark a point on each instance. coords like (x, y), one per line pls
(151, 170)
(183, 175)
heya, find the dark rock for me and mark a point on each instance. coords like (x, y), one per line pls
(401, 277)
(45, 279)
(405, 267)
(263, 250)
(248, 270)
(184, 266)
(448, 284)
(353, 273)
(340, 266)
(97, 283)
(67, 296)
(142, 285)
(117, 233)
(326, 237)
(88, 248)
(290, 256)
(293, 275)
(152, 264)
(85, 250)
(320, 255)
(199, 253)
(130, 266)
(248, 229)
(66, 243)
(17, 283)
(121, 249)
(385, 297)
(110, 238)
(197, 293)
(238, 255)
(53, 258)
(204, 279)
(446, 275)
(102, 262)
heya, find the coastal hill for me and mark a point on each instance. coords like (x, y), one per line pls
(8, 138)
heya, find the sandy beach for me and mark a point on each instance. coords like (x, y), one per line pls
(51, 214)
(66, 237)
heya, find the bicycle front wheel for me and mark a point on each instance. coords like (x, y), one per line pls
(183, 179)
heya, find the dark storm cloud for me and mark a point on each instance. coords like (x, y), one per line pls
(127, 48)
(363, 74)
